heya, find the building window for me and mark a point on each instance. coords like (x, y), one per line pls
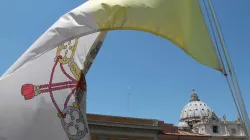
(233, 131)
(215, 129)
(191, 126)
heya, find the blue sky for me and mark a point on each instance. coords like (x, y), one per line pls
(156, 75)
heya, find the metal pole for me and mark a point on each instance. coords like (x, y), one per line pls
(221, 60)
(232, 73)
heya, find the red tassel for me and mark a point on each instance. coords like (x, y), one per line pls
(28, 91)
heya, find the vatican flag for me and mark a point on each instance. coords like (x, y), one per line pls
(43, 92)
(180, 21)
(45, 99)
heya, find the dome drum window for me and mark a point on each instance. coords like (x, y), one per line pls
(215, 129)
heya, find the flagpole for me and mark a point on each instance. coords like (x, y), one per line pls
(232, 72)
(224, 72)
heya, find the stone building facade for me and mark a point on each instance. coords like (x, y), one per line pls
(103, 127)
(197, 117)
(122, 128)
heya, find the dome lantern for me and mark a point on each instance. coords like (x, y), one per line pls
(194, 96)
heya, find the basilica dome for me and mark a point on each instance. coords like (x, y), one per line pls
(196, 110)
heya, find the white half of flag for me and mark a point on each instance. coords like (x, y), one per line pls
(44, 98)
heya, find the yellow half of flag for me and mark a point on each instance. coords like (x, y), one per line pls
(180, 21)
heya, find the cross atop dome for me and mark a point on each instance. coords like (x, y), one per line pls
(194, 96)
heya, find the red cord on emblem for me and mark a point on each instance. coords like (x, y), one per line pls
(29, 91)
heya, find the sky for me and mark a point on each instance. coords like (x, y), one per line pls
(137, 74)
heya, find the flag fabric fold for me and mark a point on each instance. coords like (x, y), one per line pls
(179, 21)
